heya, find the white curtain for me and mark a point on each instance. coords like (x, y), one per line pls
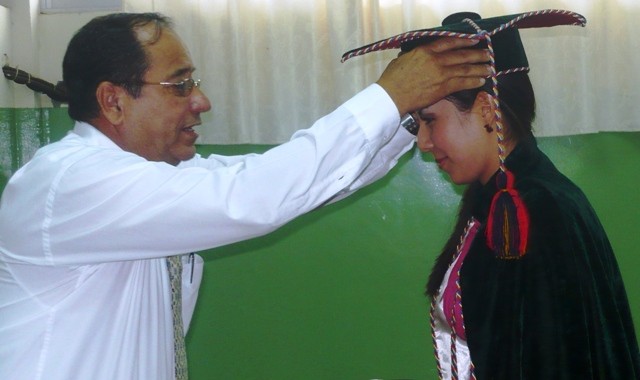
(271, 67)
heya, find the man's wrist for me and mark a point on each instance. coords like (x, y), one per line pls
(410, 124)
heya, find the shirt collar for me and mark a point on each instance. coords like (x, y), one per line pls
(93, 136)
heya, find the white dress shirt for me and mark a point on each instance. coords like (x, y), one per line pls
(85, 228)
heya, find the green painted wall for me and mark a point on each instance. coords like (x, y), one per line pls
(338, 293)
(23, 130)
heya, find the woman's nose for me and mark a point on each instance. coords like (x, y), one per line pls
(424, 138)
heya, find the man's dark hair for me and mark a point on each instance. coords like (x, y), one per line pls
(107, 49)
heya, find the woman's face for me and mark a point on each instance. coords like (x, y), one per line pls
(459, 141)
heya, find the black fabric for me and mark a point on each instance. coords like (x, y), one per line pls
(561, 311)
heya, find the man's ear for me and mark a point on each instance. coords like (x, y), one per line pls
(109, 97)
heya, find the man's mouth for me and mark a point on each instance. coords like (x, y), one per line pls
(190, 133)
(190, 129)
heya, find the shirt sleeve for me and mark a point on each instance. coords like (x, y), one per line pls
(108, 205)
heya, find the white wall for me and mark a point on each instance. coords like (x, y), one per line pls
(56, 29)
(54, 33)
(6, 100)
(22, 48)
(35, 43)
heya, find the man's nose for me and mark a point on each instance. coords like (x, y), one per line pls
(199, 101)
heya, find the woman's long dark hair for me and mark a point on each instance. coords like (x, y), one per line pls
(517, 104)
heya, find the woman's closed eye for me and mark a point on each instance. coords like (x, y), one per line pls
(426, 117)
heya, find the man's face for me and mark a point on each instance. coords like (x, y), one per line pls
(159, 123)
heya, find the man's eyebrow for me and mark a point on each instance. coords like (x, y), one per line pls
(182, 73)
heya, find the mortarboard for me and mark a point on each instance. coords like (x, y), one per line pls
(502, 30)
(508, 221)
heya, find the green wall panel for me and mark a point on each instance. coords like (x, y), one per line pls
(338, 293)
(23, 130)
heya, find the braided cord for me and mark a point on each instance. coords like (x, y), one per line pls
(459, 303)
(454, 358)
(432, 321)
(496, 95)
(396, 41)
(579, 19)
(452, 321)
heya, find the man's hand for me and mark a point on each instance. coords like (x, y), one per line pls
(430, 72)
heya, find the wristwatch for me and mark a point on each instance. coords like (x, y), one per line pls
(410, 124)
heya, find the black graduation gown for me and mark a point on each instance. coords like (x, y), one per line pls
(560, 311)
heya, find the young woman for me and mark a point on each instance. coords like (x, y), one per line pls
(558, 310)
(527, 286)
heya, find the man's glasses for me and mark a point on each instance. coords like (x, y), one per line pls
(182, 88)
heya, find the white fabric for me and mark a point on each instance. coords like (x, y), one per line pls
(442, 332)
(85, 228)
(265, 62)
(192, 267)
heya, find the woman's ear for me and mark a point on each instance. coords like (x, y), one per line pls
(485, 106)
(109, 97)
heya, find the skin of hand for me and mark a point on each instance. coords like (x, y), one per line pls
(428, 73)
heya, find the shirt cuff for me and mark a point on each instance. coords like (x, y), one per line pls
(375, 112)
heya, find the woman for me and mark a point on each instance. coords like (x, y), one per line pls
(527, 286)
(559, 310)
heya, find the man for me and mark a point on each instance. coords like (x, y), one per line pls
(92, 228)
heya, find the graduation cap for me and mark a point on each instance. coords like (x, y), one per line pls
(502, 30)
(508, 222)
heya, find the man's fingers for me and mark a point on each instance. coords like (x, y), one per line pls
(470, 70)
(430, 72)
(460, 83)
(454, 51)
(450, 43)
(457, 57)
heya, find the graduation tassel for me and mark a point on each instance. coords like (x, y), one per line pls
(507, 229)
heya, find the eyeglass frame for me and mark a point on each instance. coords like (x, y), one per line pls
(183, 93)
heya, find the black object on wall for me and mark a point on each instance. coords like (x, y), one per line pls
(57, 92)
